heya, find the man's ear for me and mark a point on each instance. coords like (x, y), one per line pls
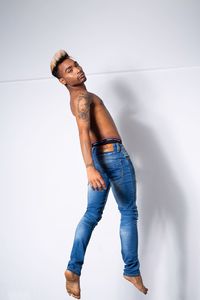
(63, 81)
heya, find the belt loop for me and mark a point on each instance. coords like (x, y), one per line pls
(118, 147)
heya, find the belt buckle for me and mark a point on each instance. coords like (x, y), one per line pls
(106, 147)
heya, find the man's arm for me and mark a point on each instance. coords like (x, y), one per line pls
(82, 114)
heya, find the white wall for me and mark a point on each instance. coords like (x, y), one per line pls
(142, 58)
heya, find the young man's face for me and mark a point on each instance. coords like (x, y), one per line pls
(71, 73)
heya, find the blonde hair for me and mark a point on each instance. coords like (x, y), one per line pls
(57, 59)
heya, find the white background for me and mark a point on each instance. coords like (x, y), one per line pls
(142, 58)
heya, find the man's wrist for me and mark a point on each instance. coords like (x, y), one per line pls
(89, 165)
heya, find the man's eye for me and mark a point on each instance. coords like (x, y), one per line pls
(69, 70)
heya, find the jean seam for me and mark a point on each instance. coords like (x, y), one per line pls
(122, 168)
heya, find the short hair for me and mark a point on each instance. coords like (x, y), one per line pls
(57, 59)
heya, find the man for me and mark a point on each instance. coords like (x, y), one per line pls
(108, 164)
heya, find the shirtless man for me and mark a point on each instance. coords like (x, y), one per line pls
(108, 164)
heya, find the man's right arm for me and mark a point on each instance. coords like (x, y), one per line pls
(82, 114)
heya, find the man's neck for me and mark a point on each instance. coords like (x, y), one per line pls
(74, 90)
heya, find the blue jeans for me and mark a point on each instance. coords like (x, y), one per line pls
(118, 172)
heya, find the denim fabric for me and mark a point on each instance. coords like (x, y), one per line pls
(118, 172)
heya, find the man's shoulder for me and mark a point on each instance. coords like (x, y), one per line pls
(96, 99)
(85, 98)
(82, 99)
(85, 95)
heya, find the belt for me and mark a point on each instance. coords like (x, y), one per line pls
(107, 144)
(107, 141)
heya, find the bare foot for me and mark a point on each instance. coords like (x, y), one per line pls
(138, 283)
(72, 284)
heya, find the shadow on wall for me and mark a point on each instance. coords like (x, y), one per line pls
(161, 199)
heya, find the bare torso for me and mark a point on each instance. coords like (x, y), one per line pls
(101, 122)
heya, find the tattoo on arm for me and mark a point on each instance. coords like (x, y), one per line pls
(83, 107)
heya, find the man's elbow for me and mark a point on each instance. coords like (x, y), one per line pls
(85, 140)
(84, 134)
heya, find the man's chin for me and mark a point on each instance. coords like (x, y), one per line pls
(83, 79)
(80, 82)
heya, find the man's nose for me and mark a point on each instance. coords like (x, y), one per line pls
(79, 69)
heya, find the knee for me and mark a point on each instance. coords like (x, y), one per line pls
(129, 213)
(92, 217)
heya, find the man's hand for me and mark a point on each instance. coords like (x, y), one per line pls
(95, 179)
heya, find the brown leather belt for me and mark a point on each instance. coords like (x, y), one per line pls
(106, 147)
